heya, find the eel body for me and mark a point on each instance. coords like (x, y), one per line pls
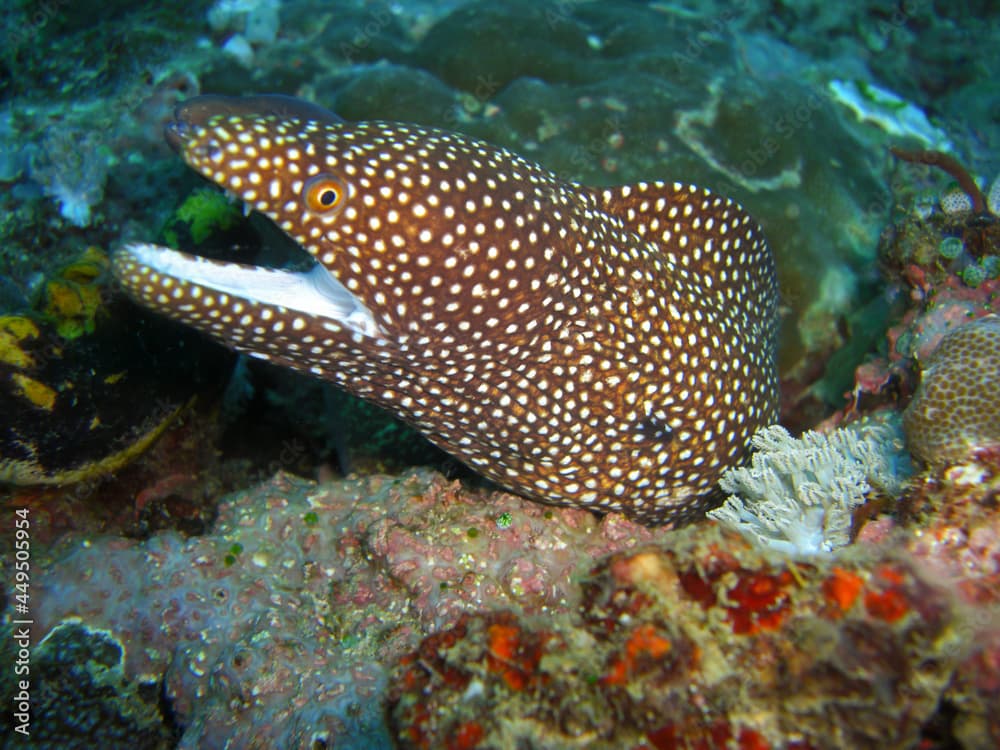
(606, 348)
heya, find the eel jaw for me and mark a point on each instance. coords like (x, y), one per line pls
(173, 282)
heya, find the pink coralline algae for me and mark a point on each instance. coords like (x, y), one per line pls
(956, 409)
(273, 630)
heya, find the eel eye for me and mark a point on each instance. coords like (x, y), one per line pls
(323, 194)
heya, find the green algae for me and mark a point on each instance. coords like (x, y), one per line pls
(205, 212)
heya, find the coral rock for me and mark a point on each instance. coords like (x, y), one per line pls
(275, 629)
(956, 410)
(700, 643)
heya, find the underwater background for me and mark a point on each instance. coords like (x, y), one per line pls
(211, 551)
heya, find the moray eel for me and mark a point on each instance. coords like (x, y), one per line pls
(604, 348)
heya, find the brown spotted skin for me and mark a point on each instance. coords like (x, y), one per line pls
(611, 349)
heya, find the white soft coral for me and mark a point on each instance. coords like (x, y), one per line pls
(798, 495)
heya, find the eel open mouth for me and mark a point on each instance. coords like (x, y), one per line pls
(159, 276)
(187, 287)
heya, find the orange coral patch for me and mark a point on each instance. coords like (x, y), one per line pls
(759, 602)
(503, 645)
(514, 654)
(718, 736)
(889, 605)
(842, 588)
(504, 640)
(753, 740)
(890, 574)
(886, 605)
(645, 642)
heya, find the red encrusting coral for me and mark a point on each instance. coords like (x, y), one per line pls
(842, 589)
(701, 643)
(756, 600)
(467, 736)
(512, 653)
(715, 737)
(644, 646)
(889, 601)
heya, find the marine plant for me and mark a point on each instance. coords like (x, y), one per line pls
(203, 213)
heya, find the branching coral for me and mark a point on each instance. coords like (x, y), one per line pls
(798, 495)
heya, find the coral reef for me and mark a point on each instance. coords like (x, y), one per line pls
(956, 409)
(956, 544)
(966, 212)
(295, 610)
(941, 260)
(597, 92)
(486, 620)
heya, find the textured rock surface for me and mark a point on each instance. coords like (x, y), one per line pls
(727, 651)
(276, 628)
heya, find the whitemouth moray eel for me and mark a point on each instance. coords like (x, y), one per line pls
(611, 349)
